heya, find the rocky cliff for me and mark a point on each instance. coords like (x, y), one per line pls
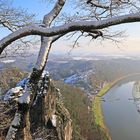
(49, 119)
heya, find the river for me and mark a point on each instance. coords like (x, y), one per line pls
(121, 110)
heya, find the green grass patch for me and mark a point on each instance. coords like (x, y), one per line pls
(98, 115)
(105, 89)
(98, 119)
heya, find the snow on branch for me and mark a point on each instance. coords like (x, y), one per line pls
(93, 3)
(46, 42)
(48, 18)
(63, 29)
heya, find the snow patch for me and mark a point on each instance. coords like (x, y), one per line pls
(10, 94)
(53, 120)
(71, 79)
(45, 73)
(25, 98)
(8, 61)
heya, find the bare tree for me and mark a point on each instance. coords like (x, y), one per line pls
(97, 15)
(12, 18)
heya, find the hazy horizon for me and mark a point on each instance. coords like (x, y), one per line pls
(128, 45)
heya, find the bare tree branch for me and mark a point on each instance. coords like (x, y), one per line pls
(93, 3)
(46, 42)
(75, 26)
(48, 18)
(55, 38)
(12, 19)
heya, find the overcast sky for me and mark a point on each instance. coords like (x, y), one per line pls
(129, 45)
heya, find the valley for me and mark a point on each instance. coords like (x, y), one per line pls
(88, 74)
(79, 80)
(91, 75)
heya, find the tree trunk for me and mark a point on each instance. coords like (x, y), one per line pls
(45, 113)
(20, 127)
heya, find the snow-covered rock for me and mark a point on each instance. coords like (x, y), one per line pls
(21, 89)
(11, 93)
(53, 120)
(25, 98)
(45, 73)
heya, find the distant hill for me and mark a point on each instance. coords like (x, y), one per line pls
(87, 73)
